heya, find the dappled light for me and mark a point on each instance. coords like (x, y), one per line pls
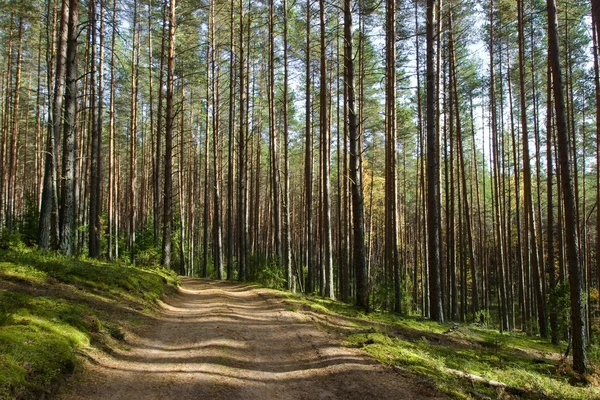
(225, 340)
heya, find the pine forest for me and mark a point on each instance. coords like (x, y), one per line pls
(432, 159)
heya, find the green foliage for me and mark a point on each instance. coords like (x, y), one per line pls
(148, 257)
(560, 303)
(11, 240)
(266, 272)
(29, 226)
(51, 306)
(483, 318)
(382, 296)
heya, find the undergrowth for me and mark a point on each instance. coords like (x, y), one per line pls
(51, 307)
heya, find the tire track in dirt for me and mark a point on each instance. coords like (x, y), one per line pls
(223, 340)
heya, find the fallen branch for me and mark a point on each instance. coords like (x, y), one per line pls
(486, 382)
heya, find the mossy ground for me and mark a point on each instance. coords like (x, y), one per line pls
(51, 307)
(532, 368)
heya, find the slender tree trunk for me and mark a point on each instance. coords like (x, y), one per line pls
(391, 237)
(500, 256)
(433, 177)
(170, 121)
(181, 181)
(206, 200)
(15, 132)
(327, 259)
(68, 165)
(48, 226)
(596, 32)
(575, 277)
(242, 168)
(155, 134)
(6, 121)
(112, 187)
(287, 245)
(528, 206)
(273, 140)
(39, 171)
(133, 128)
(230, 155)
(308, 164)
(465, 199)
(550, 267)
(96, 154)
(217, 235)
(362, 278)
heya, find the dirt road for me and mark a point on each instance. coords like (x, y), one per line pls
(220, 340)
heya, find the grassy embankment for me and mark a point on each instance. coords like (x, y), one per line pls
(462, 360)
(52, 308)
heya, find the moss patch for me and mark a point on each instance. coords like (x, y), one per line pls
(51, 307)
(532, 368)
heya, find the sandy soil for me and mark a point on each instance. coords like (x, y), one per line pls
(221, 340)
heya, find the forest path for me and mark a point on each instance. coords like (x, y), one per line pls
(223, 340)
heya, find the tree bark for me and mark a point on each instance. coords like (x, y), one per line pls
(231, 139)
(217, 234)
(68, 160)
(287, 245)
(575, 276)
(362, 278)
(242, 168)
(308, 164)
(391, 237)
(170, 121)
(436, 310)
(48, 226)
(327, 259)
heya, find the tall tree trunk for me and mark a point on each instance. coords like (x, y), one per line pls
(362, 278)
(217, 235)
(112, 186)
(206, 200)
(436, 310)
(273, 140)
(68, 163)
(5, 121)
(327, 259)
(528, 206)
(96, 154)
(308, 164)
(575, 276)
(287, 245)
(461, 161)
(231, 138)
(550, 267)
(500, 252)
(596, 32)
(39, 171)
(181, 181)
(133, 128)
(15, 132)
(170, 121)
(155, 134)
(391, 237)
(242, 168)
(48, 226)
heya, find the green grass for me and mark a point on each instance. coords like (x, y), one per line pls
(51, 307)
(532, 368)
